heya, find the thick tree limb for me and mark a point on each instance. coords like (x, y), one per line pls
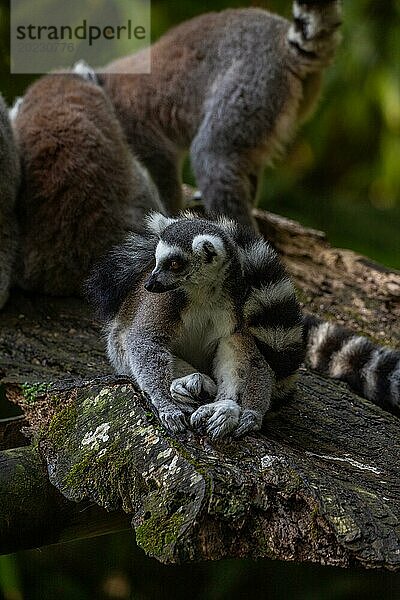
(321, 483)
(33, 513)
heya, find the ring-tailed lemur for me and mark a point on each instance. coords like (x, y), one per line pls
(9, 184)
(370, 370)
(231, 86)
(192, 313)
(82, 188)
(204, 317)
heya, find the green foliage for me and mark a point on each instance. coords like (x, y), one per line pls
(31, 392)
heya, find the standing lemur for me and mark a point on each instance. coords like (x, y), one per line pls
(9, 184)
(82, 188)
(204, 317)
(231, 86)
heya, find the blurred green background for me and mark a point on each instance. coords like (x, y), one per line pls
(341, 174)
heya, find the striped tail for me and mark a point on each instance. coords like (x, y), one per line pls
(273, 316)
(313, 35)
(370, 370)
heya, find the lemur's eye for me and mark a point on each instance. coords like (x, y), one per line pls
(175, 265)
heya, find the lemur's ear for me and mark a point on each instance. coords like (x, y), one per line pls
(157, 222)
(208, 246)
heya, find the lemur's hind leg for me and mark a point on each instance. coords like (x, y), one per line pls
(257, 387)
(164, 167)
(160, 158)
(245, 383)
(228, 181)
(244, 126)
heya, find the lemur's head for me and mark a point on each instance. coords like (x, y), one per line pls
(190, 252)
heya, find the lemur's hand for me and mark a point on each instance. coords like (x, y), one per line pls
(192, 390)
(219, 419)
(173, 419)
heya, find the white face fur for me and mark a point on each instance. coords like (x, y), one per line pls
(175, 267)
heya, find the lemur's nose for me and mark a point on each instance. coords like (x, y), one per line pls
(153, 285)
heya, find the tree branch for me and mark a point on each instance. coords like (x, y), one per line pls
(33, 513)
(320, 483)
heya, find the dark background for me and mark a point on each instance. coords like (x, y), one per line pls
(341, 174)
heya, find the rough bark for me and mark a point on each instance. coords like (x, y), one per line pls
(33, 513)
(320, 483)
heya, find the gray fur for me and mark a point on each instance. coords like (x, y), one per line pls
(9, 184)
(370, 370)
(185, 329)
(208, 324)
(231, 87)
(187, 392)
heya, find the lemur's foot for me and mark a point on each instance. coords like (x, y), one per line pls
(250, 420)
(219, 419)
(191, 391)
(173, 419)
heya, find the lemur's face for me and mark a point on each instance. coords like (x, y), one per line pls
(194, 262)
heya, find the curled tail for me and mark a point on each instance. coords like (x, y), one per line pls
(370, 370)
(313, 35)
(273, 316)
(286, 337)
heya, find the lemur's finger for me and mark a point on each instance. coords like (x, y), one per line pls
(250, 420)
(200, 415)
(223, 426)
(173, 420)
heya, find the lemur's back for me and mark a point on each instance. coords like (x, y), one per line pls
(82, 189)
(185, 64)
